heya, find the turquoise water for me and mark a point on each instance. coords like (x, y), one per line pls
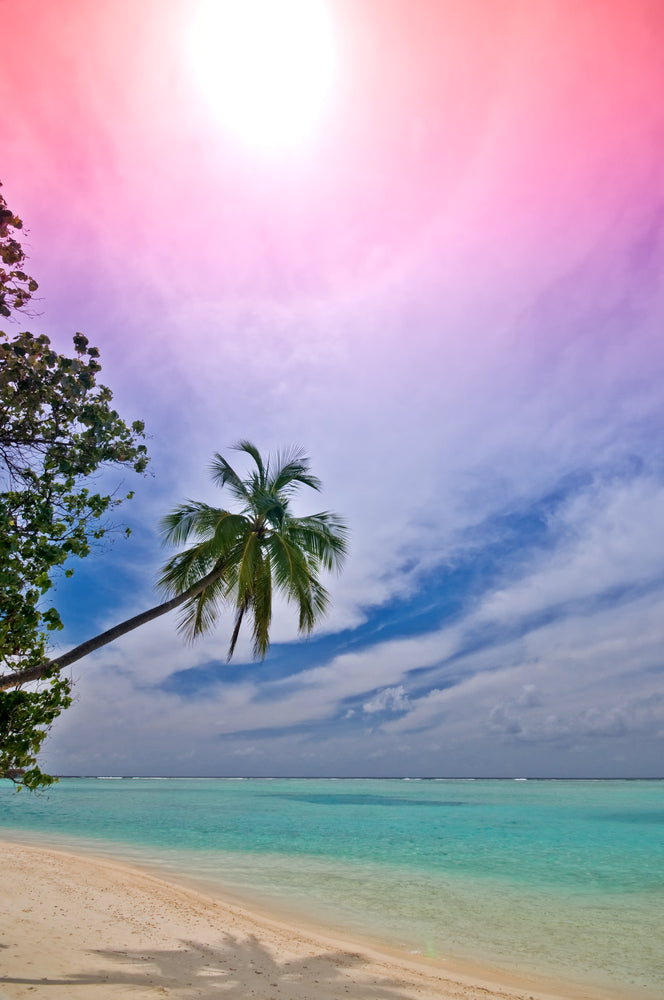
(562, 877)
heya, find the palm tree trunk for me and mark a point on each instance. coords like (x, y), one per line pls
(19, 677)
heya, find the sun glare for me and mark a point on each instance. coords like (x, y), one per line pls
(266, 66)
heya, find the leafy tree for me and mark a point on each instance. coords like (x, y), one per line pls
(57, 428)
(16, 287)
(237, 557)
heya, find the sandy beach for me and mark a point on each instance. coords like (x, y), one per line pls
(86, 928)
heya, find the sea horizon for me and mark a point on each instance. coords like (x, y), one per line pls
(356, 777)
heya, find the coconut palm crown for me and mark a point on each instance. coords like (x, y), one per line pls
(248, 554)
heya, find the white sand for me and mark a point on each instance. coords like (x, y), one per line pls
(85, 928)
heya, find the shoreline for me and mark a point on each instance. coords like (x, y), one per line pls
(84, 926)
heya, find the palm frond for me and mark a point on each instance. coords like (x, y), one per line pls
(189, 518)
(287, 562)
(270, 506)
(200, 614)
(224, 475)
(184, 570)
(292, 470)
(313, 606)
(293, 575)
(239, 615)
(252, 450)
(228, 529)
(249, 566)
(262, 608)
(322, 536)
(223, 530)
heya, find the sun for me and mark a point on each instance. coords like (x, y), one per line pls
(266, 66)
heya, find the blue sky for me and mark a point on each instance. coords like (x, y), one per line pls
(450, 294)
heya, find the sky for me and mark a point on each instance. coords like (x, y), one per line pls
(434, 261)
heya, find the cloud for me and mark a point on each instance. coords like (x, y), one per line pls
(457, 313)
(388, 700)
(607, 541)
(517, 666)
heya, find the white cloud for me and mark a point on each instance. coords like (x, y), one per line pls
(611, 536)
(584, 677)
(388, 700)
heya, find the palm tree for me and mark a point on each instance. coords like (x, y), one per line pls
(258, 549)
(238, 558)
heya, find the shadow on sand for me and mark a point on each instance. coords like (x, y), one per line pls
(234, 970)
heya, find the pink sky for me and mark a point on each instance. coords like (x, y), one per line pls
(489, 123)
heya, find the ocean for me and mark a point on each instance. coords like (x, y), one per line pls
(564, 878)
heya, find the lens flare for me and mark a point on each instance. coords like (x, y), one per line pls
(265, 66)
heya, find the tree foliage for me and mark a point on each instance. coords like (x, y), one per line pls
(260, 548)
(25, 718)
(16, 287)
(57, 428)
